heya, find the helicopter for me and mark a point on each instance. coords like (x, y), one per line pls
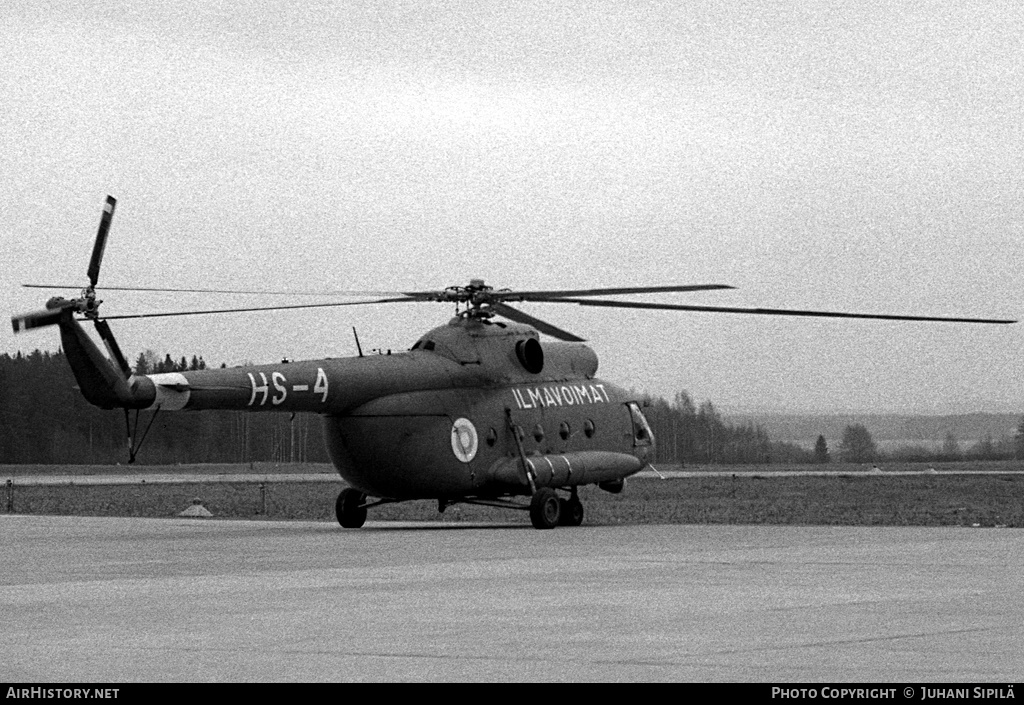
(478, 411)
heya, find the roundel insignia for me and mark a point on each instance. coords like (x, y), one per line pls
(464, 440)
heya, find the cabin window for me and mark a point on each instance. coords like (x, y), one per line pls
(563, 430)
(492, 437)
(538, 433)
(589, 428)
(642, 434)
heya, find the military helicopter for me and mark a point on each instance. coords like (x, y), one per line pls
(478, 411)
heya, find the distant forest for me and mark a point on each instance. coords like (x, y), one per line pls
(44, 419)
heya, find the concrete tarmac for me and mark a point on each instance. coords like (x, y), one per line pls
(95, 600)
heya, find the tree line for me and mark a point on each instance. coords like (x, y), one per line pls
(686, 433)
(44, 419)
(858, 446)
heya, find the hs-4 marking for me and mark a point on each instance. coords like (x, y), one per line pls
(276, 388)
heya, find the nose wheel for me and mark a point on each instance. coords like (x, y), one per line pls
(350, 509)
(571, 511)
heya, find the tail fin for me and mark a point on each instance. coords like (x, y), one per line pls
(102, 383)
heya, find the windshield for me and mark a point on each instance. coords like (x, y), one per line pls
(642, 434)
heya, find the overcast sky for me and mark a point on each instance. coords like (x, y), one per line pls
(842, 156)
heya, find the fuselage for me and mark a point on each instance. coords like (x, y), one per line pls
(476, 408)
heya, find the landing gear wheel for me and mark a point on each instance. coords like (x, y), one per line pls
(348, 510)
(572, 512)
(545, 508)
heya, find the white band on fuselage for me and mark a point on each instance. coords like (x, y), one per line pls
(172, 391)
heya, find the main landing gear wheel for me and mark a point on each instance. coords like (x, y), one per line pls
(349, 510)
(571, 512)
(545, 508)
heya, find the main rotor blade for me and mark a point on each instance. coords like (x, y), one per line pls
(101, 240)
(777, 311)
(257, 308)
(436, 295)
(36, 319)
(216, 291)
(520, 317)
(491, 295)
(561, 293)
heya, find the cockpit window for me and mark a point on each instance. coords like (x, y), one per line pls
(642, 434)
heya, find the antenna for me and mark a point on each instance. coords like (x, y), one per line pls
(358, 346)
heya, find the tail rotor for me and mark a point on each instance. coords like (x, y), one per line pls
(86, 304)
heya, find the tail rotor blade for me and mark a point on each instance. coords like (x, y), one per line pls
(101, 240)
(37, 319)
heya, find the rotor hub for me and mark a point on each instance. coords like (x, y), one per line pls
(89, 305)
(477, 297)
